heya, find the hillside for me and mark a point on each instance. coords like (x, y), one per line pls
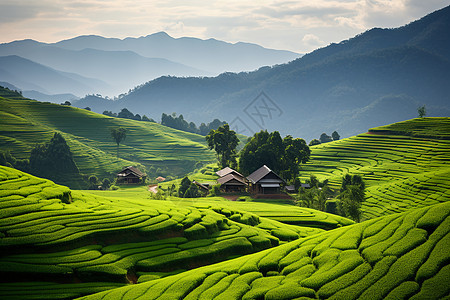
(405, 165)
(402, 256)
(162, 150)
(376, 78)
(63, 243)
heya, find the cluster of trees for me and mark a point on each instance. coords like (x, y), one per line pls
(188, 189)
(126, 114)
(180, 123)
(352, 194)
(346, 202)
(283, 156)
(325, 138)
(52, 160)
(172, 121)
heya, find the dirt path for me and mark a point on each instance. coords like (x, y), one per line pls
(153, 188)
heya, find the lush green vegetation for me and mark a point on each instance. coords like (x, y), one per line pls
(51, 234)
(162, 150)
(394, 257)
(404, 165)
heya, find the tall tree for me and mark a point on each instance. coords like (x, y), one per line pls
(335, 135)
(118, 134)
(224, 141)
(295, 152)
(422, 111)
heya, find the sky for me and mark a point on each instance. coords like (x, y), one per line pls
(300, 26)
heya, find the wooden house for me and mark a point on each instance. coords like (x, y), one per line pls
(265, 181)
(232, 183)
(231, 180)
(130, 175)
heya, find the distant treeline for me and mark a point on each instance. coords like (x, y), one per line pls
(172, 121)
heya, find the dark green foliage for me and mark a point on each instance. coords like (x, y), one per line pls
(352, 194)
(314, 142)
(324, 138)
(118, 134)
(283, 156)
(181, 124)
(53, 160)
(335, 135)
(192, 192)
(421, 111)
(184, 186)
(224, 141)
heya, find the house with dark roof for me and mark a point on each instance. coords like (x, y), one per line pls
(227, 170)
(130, 175)
(265, 181)
(232, 183)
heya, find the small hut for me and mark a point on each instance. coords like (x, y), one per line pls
(130, 175)
(265, 181)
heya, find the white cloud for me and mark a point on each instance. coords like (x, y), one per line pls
(271, 23)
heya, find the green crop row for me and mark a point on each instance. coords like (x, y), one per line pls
(409, 261)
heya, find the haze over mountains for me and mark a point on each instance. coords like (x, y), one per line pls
(375, 78)
(124, 64)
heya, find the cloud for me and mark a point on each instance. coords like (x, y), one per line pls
(292, 25)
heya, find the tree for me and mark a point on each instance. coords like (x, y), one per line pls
(352, 194)
(314, 142)
(93, 182)
(184, 186)
(283, 156)
(325, 138)
(118, 134)
(87, 108)
(192, 191)
(422, 111)
(106, 183)
(335, 135)
(294, 152)
(224, 141)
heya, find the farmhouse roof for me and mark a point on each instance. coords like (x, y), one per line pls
(131, 170)
(230, 177)
(201, 185)
(227, 170)
(261, 173)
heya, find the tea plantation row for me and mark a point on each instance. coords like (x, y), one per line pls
(404, 165)
(49, 233)
(401, 256)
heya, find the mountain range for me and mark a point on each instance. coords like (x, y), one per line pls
(124, 64)
(380, 76)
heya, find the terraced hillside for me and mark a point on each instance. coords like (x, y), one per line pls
(24, 123)
(401, 256)
(405, 165)
(58, 243)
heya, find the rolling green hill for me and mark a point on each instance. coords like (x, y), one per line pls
(405, 165)
(51, 234)
(24, 123)
(401, 256)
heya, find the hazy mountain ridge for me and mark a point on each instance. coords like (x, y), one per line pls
(124, 64)
(378, 77)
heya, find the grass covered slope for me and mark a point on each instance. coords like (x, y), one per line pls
(401, 256)
(404, 165)
(24, 123)
(49, 233)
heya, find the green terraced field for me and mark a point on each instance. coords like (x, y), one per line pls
(401, 256)
(49, 233)
(405, 165)
(24, 123)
